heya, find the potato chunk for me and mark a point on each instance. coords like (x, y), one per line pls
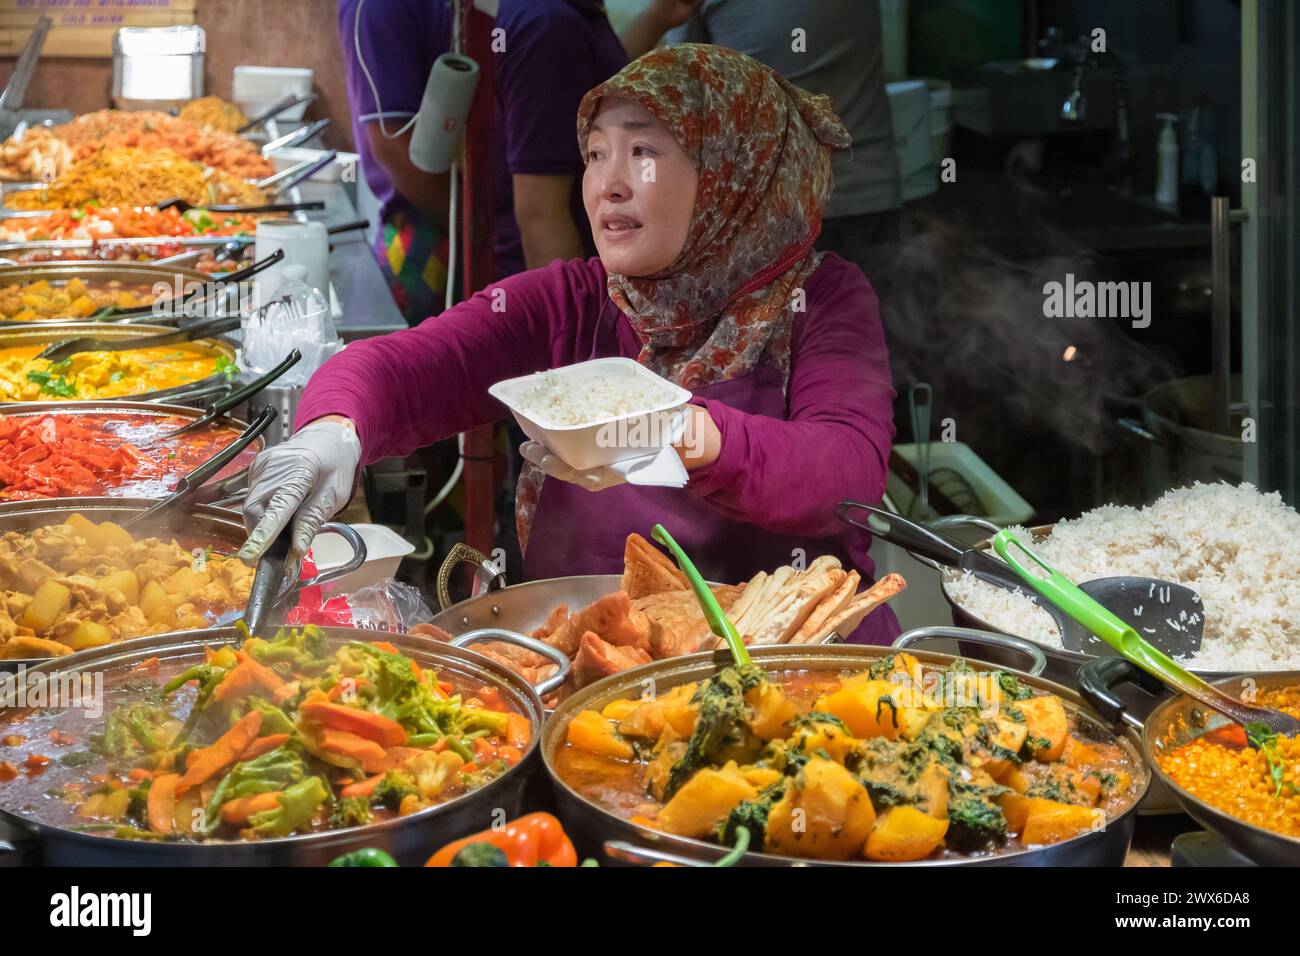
(828, 818)
(50, 600)
(705, 800)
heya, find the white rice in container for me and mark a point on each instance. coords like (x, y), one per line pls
(1238, 548)
(561, 400)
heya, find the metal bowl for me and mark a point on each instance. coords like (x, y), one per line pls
(589, 821)
(97, 273)
(31, 333)
(1062, 665)
(193, 526)
(1178, 720)
(410, 839)
(211, 491)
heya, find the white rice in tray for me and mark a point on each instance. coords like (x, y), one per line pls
(1238, 548)
(560, 400)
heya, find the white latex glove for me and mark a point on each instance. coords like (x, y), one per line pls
(307, 480)
(593, 479)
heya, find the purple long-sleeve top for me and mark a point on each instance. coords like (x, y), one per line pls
(786, 460)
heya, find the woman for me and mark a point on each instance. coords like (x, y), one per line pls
(705, 179)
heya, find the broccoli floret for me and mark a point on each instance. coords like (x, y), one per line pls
(304, 649)
(752, 814)
(274, 720)
(722, 730)
(351, 812)
(393, 788)
(275, 770)
(132, 729)
(297, 806)
(480, 854)
(975, 822)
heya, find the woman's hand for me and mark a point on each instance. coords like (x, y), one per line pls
(306, 480)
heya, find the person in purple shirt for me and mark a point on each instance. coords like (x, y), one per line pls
(706, 175)
(550, 53)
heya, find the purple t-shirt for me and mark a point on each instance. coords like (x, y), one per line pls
(787, 459)
(554, 52)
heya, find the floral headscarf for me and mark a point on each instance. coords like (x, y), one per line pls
(762, 151)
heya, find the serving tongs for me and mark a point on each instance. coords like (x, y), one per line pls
(279, 571)
(58, 351)
(1119, 635)
(286, 179)
(288, 103)
(196, 479)
(209, 290)
(184, 205)
(1176, 616)
(219, 409)
(297, 137)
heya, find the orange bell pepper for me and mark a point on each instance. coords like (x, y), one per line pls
(531, 840)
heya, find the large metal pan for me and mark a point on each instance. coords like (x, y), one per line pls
(43, 334)
(1062, 665)
(195, 526)
(410, 839)
(589, 822)
(1178, 720)
(174, 279)
(212, 491)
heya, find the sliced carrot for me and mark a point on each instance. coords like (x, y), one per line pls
(365, 752)
(235, 684)
(519, 731)
(160, 805)
(236, 812)
(382, 730)
(263, 745)
(511, 755)
(138, 774)
(261, 674)
(206, 763)
(362, 788)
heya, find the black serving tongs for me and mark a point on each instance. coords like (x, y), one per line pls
(184, 205)
(278, 570)
(208, 290)
(288, 103)
(197, 478)
(218, 409)
(58, 351)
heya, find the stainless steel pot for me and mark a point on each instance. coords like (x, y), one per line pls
(212, 491)
(1062, 665)
(97, 273)
(194, 526)
(1176, 721)
(625, 840)
(410, 839)
(45, 333)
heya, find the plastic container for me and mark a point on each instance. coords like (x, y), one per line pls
(297, 316)
(256, 89)
(385, 549)
(1000, 502)
(588, 445)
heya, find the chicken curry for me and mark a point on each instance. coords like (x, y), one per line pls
(71, 586)
(291, 734)
(894, 763)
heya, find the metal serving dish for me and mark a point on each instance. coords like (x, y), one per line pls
(211, 491)
(195, 526)
(1062, 665)
(592, 823)
(175, 278)
(1178, 720)
(410, 839)
(44, 333)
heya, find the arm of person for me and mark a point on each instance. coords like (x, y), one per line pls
(788, 476)
(644, 31)
(545, 219)
(411, 388)
(430, 193)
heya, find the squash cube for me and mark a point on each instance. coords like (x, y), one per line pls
(827, 818)
(595, 734)
(904, 833)
(866, 708)
(1050, 821)
(1047, 722)
(705, 800)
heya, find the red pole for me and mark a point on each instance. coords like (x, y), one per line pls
(477, 271)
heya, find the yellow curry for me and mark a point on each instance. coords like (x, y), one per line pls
(90, 375)
(74, 299)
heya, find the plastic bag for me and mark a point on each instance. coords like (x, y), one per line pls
(387, 605)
